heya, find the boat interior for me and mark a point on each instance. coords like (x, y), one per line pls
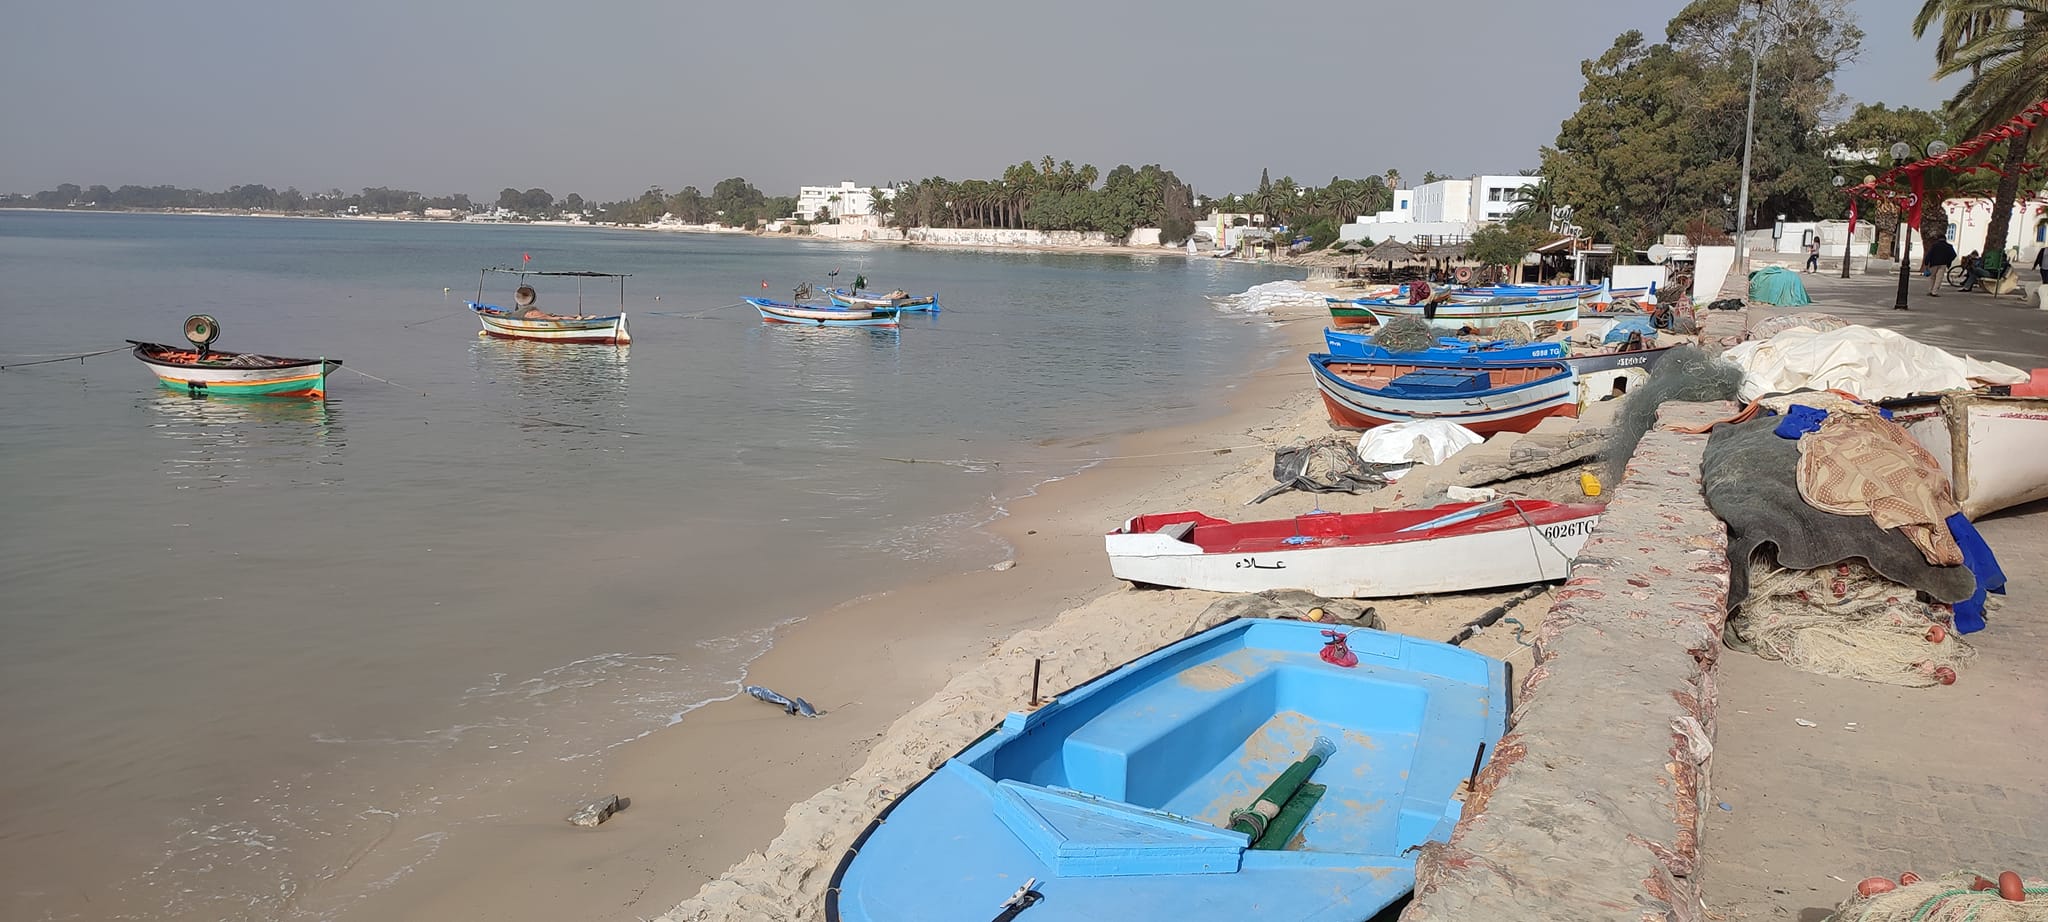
(172, 355)
(1326, 529)
(1379, 375)
(1201, 731)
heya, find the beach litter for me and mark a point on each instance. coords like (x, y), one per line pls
(599, 810)
(791, 706)
(1329, 464)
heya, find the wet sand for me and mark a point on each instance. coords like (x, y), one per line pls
(718, 787)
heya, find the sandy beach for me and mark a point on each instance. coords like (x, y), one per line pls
(906, 678)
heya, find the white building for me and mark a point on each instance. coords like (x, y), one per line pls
(840, 201)
(1447, 208)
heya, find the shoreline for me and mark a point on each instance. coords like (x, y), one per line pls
(864, 661)
(700, 827)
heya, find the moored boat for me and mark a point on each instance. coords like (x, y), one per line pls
(1450, 548)
(1993, 449)
(1361, 346)
(202, 371)
(897, 300)
(525, 319)
(1235, 774)
(1363, 393)
(1484, 313)
(823, 316)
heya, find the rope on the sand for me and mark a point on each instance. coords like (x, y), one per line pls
(1157, 454)
(80, 357)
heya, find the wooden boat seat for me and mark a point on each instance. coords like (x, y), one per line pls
(1178, 531)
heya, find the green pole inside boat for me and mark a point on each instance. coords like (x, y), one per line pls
(1255, 819)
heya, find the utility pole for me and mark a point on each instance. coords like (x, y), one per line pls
(1748, 142)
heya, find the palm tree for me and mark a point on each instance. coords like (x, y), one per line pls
(2004, 46)
(1393, 179)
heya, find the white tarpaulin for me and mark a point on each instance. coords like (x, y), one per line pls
(1872, 363)
(1423, 441)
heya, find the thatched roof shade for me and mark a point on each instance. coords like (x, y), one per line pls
(1447, 251)
(1393, 251)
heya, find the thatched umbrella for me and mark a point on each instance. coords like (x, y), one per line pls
(1392, 251)
(1351, 247)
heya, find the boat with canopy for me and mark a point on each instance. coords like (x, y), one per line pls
(526, 320)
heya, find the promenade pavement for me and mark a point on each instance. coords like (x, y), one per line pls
(1891, 779)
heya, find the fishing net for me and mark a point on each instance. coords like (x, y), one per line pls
(1687, 373)
(1818, 322)
(1846, 620)
(1514, 331)
(1326, 465)
(1405, 334)
(1947, 898)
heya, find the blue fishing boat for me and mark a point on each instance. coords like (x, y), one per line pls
(1447, 349)
(1262, 769)
(817, 315)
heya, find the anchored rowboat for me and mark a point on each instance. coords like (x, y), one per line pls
(1484, 313)
(1994, 449)
(1372, 555)
(204, 372)
(1235, 774)
(525, 319)
(1363, 393)
(868, 300)
(821, 316)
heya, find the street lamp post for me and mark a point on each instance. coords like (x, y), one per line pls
(1849, 229)
(1900, 151)
(1748, 141)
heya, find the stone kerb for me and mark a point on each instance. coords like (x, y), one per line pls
(1591, 807)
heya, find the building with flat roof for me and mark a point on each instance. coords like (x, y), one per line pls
(845, 200)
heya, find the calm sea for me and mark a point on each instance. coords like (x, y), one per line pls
(242, 636)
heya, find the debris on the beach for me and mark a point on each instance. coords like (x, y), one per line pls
(599, 810)
(792, 706)
(1418, 442)
(1458, 494)
(1804, 722)
(1260, 299)
(1005, 565)
(1327, 465)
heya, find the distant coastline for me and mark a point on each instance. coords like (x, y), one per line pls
(1108, 249)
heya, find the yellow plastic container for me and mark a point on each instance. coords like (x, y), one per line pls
(1589, 483)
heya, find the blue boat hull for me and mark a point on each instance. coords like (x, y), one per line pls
(1361, 346)
(1116, 796)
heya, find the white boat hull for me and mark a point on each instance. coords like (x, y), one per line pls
(612, 331)
(1508, 557)
(1486, 315)
(1993, 449)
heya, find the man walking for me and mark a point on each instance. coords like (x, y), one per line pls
(1940, 255)
(1813, 254)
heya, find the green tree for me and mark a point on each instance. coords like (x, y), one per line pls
(1503, 245)
(2003, 44)
(572, 203)
(510, 199)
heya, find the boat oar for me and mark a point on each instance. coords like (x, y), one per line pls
(1256, 820)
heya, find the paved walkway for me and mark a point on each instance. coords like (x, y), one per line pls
(1892, 779)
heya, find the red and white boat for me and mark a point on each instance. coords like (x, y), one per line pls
(1994, 449)
(1450, 548)
(1485, 398)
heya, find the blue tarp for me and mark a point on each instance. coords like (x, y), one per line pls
(1777, 285)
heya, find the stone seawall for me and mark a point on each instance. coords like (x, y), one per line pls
(1591, 807)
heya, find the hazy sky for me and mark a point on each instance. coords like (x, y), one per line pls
(606, 97)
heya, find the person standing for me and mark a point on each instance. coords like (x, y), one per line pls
(2041, 263)
(1940, 255)
(1813, 254)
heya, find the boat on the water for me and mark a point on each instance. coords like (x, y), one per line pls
(1994, 449)
(819, 315)
(1373, 555)
(895, 300)
(1363, 393)
(525, 319)
(202, 371)
(1235, 774)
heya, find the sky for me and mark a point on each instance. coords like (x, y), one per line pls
(608, 97)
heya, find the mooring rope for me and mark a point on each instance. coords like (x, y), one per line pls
(80, 357)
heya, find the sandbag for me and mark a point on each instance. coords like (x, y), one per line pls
(1421, 441)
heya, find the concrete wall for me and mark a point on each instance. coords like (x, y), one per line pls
(1404, 231)
(999, 237)
(1638, 276)
(1591, 807)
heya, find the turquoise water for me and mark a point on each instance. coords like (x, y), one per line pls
(242, 635)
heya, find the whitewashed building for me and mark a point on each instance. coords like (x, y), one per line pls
(1445, 209)
(841, 201)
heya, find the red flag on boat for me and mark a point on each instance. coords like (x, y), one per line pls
(764, 283)
(526, 257)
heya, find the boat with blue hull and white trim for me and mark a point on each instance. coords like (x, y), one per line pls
(818, 315)
(895, 300)
(1447, 349)
(1363, 393)
(1236, 774)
